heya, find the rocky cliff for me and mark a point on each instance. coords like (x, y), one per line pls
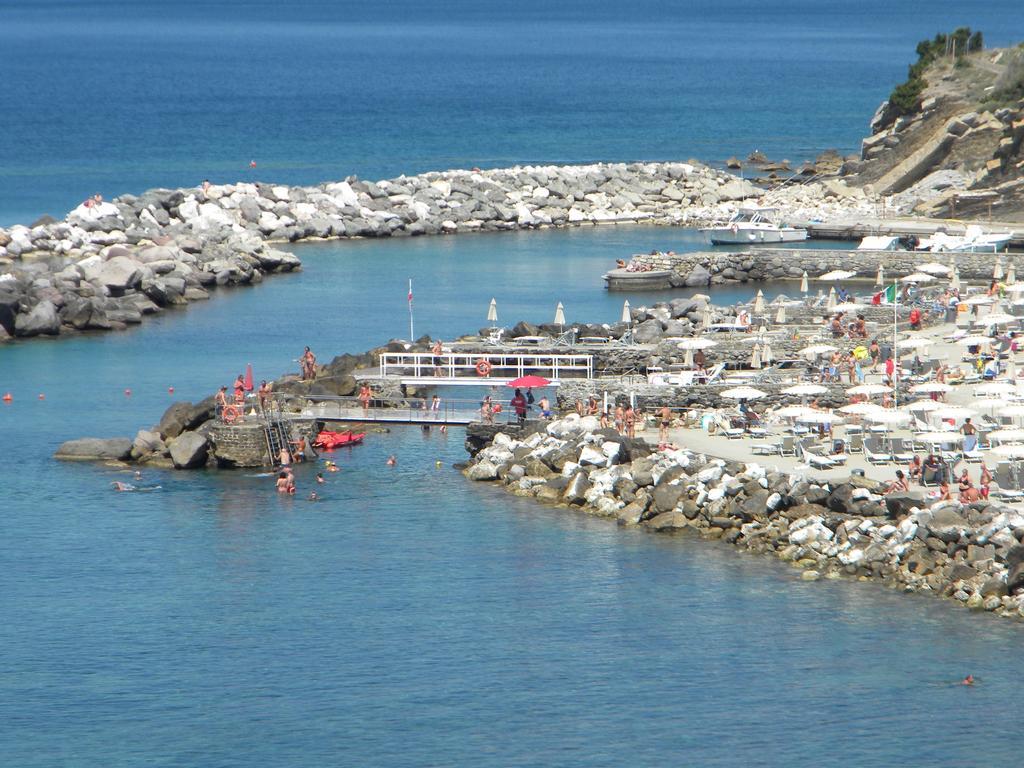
(953, 148)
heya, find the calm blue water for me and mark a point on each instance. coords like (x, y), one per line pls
(116, 96)
(410, 618)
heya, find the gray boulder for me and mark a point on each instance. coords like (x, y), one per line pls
(698, 277)
(1015, 569)
(121, 273)
(190, 450)
(42, 320)
(647, 332)
(95, 449)
(483, 470)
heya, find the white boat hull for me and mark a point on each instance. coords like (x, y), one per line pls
(745, 236)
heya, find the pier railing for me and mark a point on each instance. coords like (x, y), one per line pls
(484, 366)
(408, 410)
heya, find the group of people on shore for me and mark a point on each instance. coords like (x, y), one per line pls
(521, 404)
(934, 470)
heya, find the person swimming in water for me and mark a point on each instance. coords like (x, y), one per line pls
(392, 461)
(320, 478)
(969, 680)
(332, 467)
(313, 496)
(119, 486)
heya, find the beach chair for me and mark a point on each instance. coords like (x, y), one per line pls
(787, 447)
(1006, 485)
(856, 443)
(875, 453)
(812, 455)
(493, 339)
(900, 453)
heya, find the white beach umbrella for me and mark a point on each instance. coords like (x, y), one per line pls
(974, 341)
(914, 342)
(830, 303)
(705, 318)
(780, 316)
(817, 349)
(492, 312)
(938, 438)
(743, 393)
(1015, 288)
(996, 389)
(860, 409)
(917, 277)
(954, 281)
(1010, 451)
(697, 342)
(758, 308)
(868, 389)
(922, 406)
(803, 283)
(805, 390)
(1010, 410)
(627, 316)
(688, 358)
(820, 417)
(997, 270)
(930, 386)
(559, 314)
(755, 357)
(1011, 368)
(933, 268)
(953, 412)
(996, 318)
(1011, 275)
(880, 277)
(982, 299)
(849, 306)
(766, 354)
(793, 411)
(887, 416)
(837, 274)
(989, 403)
(1007, 435)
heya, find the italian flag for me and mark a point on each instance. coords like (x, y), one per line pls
(888, 296)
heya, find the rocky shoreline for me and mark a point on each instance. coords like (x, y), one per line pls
(830, 529)
(110, 264)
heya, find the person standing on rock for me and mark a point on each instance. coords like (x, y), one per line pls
(308, 364)
(263, 393)
(221, 400)
(630, 419)
(239, 387)
(365, 395)
(620, 419)
(664, 423)
(519, 405)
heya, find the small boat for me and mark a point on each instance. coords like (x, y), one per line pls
(329, 440)
(879, 243)
(974, 240)
(754, 225)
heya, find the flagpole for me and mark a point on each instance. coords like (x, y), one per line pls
(895, 352)
(412, 336)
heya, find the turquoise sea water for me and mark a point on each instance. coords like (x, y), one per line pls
(118, 96)
(411, 618)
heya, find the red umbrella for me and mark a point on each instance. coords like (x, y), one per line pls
(248, 377)
(529, 381)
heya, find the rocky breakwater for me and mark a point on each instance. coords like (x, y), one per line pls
(831, 529)
(109, 265)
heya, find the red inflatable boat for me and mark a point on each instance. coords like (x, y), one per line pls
(329, 440)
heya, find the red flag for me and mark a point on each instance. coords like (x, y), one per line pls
(248, 377)
(877, 298)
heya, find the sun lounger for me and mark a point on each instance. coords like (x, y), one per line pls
(874, 452)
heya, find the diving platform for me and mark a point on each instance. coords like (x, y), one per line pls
(489, 369)
(348, 410)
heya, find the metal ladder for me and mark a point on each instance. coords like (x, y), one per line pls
(276, 433)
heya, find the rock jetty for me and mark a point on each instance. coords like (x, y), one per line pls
(110, 264)
(831, 529)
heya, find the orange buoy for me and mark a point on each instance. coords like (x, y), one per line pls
(127, 393)
(42, 396)
(252, 163)
(7, 397)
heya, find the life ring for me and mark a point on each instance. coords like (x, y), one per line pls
(483, 368)
(230, 414)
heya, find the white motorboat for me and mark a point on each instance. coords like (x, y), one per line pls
(974, 240)
(879, 243)
(754, 226)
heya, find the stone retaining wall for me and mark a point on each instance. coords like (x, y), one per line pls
(702, 268)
